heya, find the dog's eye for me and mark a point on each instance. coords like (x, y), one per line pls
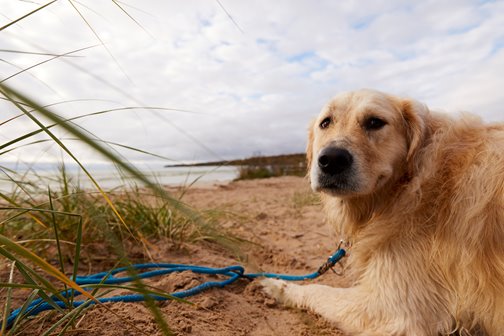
(325, 123)
(374, 123)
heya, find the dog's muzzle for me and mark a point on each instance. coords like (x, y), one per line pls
(335, 170)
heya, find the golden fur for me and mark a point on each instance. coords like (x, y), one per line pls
(423, 209)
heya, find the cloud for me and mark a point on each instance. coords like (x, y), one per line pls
(252, 91)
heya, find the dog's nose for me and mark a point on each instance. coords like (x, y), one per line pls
(334, 160)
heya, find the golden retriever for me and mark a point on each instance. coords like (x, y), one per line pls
(420, 197)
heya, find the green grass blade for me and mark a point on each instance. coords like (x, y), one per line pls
(96, 139)
(50, 105)
(18, 206)
(24, 210)
(65, 121)
(25, 271)
(99, 39)
(64, 180)
(21, 285)
(129, 148)
(44, 265)
(22, 311)
(25, 145)
(72, 315)
(29, 52)
(127, 14)
(33, 133)
(26, 15)
(230, 17)
(8, 300)
(78, 243)
(131, 17)
(45, 61)
(56, 236)
(32, 75)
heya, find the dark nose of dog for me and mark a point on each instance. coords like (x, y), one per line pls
(334, 160)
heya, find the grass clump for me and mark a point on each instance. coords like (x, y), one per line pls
(147, 216)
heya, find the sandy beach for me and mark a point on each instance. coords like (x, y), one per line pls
(284, 222)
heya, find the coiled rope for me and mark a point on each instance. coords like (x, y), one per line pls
(150, 270)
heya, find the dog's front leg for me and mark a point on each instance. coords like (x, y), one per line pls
(345, 306)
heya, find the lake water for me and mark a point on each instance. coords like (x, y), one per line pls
(108, 178)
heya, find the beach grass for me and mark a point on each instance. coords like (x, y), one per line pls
(45, 232)
(39, 216)
(41, 227)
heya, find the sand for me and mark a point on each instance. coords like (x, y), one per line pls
(286, 224)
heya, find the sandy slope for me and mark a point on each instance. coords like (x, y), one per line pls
(281, 216)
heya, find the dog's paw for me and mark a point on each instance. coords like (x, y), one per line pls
(274, 288)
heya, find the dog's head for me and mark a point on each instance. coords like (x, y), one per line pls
(363, 140)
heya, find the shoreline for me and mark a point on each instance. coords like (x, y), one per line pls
(112, 179)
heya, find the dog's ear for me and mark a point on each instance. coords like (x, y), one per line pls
(309, 147)
(414, 115)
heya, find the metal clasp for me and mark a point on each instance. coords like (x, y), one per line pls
(332, 260)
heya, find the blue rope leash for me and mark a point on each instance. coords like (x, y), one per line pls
(232, 273)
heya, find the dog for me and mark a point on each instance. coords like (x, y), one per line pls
(419, 197)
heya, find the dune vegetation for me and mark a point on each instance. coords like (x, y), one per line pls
(45, 232)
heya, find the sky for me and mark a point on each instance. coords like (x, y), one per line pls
(238, 78)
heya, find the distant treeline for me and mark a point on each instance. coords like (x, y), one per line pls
(293, 160)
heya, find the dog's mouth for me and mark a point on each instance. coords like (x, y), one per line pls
(336, 185)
